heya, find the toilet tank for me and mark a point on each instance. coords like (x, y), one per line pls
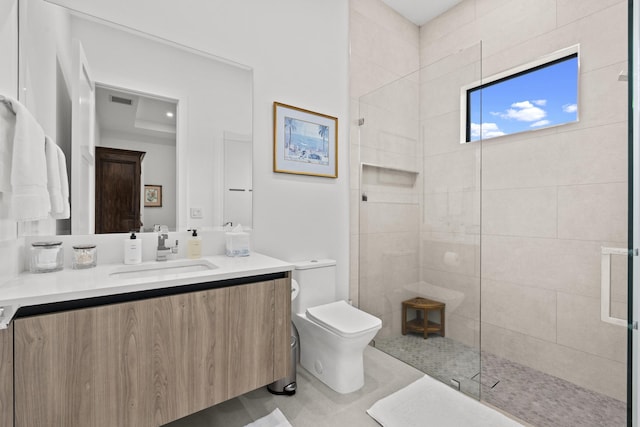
(317, 281)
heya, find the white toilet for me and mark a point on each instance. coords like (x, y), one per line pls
(333, 334)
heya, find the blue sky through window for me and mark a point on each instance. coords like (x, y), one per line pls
(542, 97)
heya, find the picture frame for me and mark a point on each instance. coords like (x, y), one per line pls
(304, 142)
(153, 196)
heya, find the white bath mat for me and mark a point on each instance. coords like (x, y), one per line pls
(274, 419)
(429, 403)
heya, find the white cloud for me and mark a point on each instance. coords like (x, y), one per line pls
(540, 123)
(540, 102)
(485, 130)
(570, 108)
(524, 111)
(522, 104)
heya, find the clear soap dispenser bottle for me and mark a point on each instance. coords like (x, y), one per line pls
(194, 245)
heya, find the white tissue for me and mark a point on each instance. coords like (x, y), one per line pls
(237, 242)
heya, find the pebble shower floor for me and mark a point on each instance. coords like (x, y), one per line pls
(530, 395)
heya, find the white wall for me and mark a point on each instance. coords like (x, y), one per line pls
(9, 47)
(8, 76)
(10, 247)
(298, 50)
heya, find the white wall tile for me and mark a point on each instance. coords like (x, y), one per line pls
(450, 256)
(603, 99)
(460, 292)
(528, 212)
(515, 22)
(391, 218)
(381, 46)
(571, 266)
(365, 76)
(441, 134)
(569, 10)
(592, 155)
(530, 311)
(580, 327)
(593, 212)
(520, 163)
(466, 36)
(378, 12)
(452, 171)
(449, 22)
(441, 95)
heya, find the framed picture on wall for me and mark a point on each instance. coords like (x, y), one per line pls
(152, 196)
(304, 142)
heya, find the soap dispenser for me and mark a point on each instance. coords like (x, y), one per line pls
(194, 245)
(132, 250)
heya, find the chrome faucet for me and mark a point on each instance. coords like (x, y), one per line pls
(162, 251)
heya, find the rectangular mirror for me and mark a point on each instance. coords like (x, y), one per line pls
(93, 84)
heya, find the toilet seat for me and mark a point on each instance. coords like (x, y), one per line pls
(343, 319)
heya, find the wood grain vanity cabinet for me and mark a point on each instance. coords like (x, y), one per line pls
(6, 377)
(150, 361)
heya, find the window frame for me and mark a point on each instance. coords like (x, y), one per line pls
(537, 64)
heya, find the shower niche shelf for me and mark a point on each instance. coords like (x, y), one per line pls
(375, 167)
(383, 176)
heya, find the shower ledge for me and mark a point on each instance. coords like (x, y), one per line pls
(394, 169)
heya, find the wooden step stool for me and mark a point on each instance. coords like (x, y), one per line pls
(421, 323)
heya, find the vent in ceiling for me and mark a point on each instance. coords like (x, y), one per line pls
(120, 100)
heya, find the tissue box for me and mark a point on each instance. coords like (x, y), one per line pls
(237, 243)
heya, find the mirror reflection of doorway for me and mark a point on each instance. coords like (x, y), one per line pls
(118, 178)
(132, 126)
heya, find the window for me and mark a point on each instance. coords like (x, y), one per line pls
(534, 96)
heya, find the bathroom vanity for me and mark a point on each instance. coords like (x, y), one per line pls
(102, 348)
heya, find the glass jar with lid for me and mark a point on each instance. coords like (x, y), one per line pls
(46, 257)
(84, 256)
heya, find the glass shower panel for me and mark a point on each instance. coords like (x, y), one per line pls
(552, 202)
(419, 220)
(390, 156)
(450, 220)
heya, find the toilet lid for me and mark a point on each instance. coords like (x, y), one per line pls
(343, 319)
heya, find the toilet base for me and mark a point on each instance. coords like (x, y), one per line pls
(334, 360)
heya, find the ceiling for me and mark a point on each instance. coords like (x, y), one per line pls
(421, 11)
(135, 115)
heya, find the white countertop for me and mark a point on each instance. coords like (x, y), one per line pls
(66, 285)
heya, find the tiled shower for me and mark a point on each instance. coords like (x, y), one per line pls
(507, 232)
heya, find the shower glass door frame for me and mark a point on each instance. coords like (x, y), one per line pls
(633, 345)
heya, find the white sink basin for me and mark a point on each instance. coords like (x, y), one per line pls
(162, 268)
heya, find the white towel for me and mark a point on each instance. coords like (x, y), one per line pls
(274, 419)
(24, 194)
(7, 129)
(56, 179)
(64, 185)
(53, 176)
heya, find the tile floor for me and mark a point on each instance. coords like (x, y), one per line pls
(535, 397)
(314, 404)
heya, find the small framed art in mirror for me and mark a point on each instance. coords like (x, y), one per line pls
(152, 196)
